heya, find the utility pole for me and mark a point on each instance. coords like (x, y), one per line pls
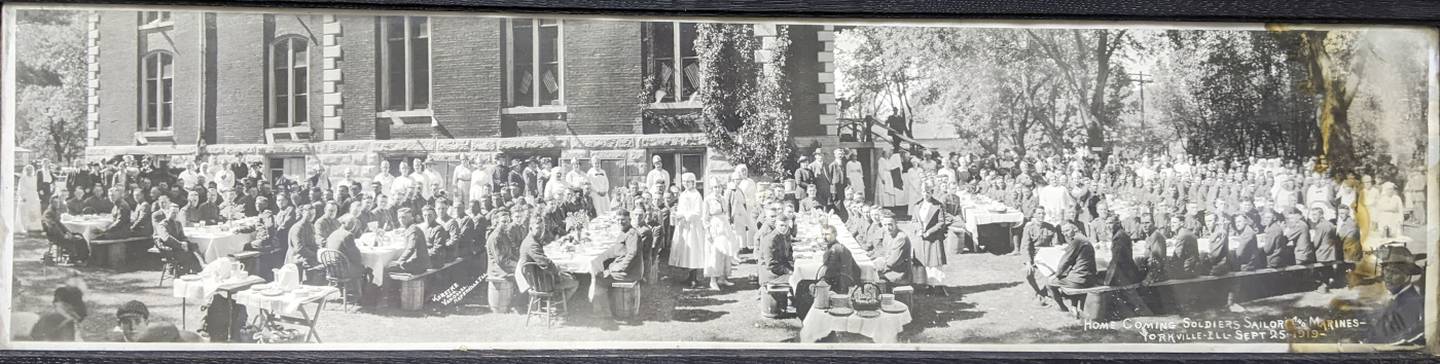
(1142, 78)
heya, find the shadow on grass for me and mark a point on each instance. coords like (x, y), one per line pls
(968, 290)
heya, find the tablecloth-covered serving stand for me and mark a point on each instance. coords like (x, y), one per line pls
(980, 211)
(810, 256)
(226, 276)
(884, 328)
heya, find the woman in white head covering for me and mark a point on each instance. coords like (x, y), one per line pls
(743, 213)
(723, 241)
(688, 245)
(29, 201)
(599, 186)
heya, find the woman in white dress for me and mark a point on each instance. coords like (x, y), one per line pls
(855, 173)
(724, 243)
(888, 194)
(744, 216)
(599, 186)
(913, 179)
(29, 201)
(687, 249)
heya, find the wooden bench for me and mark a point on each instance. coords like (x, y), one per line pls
(412, 286)
(1197, 293)
(114, 253)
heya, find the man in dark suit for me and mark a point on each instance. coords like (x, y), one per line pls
(99, 201)
(532, 250)
(835, 174)
(1327, 249)
(1077, 267)
(120, 213)
(343, 241)
(840, 270)
(776, 258)
(416, 256)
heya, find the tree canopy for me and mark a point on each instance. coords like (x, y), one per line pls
(50, 81)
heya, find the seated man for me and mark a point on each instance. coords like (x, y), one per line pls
(776, 258)
(892, 258)
(198, 212)
(343, 241)
(135, 326)
(500, 254)
(120, 213)
(415, 258)
(97, 202)
(626, 266)
(1077, 266)
(1401, 321)
(272, 243)
(76, 204)
(69, 243)
(170, 240)
(532, 250)
(840, 270)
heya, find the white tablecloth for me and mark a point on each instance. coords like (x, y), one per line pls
(883, 329)
(375, 254)
(85, 225)
(215, 242)
(589, 258)
(807, 263)
(981, 210)
(285, 303)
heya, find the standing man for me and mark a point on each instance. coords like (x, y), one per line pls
(896, 122)
(835, 174)
(461, 181)
(931, 251)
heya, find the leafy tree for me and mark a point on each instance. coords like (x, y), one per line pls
(746, 112)
(50, 81)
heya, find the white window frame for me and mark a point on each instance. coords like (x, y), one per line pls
(162, 19)
(158, 93)
(384, 47)
(678, 62)
(291, 107)
(514, 106)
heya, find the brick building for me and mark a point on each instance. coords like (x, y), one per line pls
(348, 91)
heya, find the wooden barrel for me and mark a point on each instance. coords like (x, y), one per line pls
(774, 301)
(500, 294)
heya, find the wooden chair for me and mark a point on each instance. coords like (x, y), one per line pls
(335, 265)
(543, 295)
(167, 260)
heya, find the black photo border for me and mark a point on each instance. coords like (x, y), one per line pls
(1378, 12)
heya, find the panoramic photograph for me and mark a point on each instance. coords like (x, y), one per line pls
(249, 177)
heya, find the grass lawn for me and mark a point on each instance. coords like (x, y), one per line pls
(989, 302)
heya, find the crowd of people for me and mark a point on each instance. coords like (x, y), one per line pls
(498, 213)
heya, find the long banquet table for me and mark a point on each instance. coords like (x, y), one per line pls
(809, 257)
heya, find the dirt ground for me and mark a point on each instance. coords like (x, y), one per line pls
(989, 302)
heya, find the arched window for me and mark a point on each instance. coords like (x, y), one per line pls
(289, 82)
(157, 96)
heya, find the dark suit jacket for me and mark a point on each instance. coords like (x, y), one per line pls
(416, 257)
(302, 243)
(1277, 252)
(1327, 242)
(835, 174)
(344, 241)
(776, 255)
(1248, 254)
(1078, 265)
(120, 223)
(839, 262)
(627, 266)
